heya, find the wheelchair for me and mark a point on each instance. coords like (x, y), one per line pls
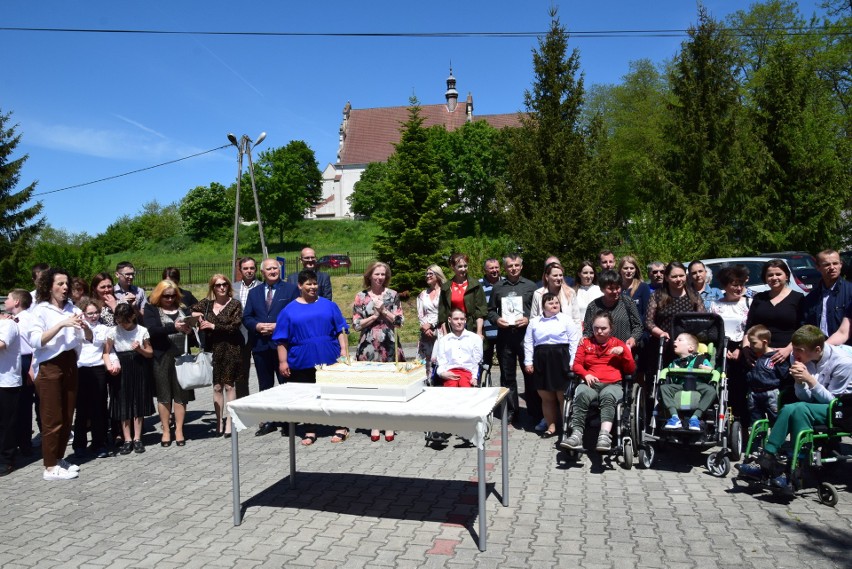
(718, 425)
(483, 379)
(812, 451)
(622, 439)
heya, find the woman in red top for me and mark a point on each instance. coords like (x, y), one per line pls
(463, 293)
(600, 361)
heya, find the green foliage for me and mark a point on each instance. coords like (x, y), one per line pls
(18, 225)
(473, 161)
(415, 218)
(289, 183)
(207, 211)
(554, 196)
(153, 223)
(705, 170)
(367, 197)
(479, 249)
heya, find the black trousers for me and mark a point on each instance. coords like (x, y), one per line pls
(510, 354)
(8, 431)
(92, 409)
(27, 399)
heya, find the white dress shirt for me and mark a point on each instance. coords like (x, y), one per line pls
(458, 351)
(557, 329)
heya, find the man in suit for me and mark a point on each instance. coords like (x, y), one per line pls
(263, 304)
(309, 261)
(826, 304)
(248, 280)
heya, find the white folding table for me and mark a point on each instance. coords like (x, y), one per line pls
(460, 412)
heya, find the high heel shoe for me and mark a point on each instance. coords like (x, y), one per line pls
(374, 436)
(389, 438)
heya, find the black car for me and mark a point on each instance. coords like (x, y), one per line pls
(802, 264)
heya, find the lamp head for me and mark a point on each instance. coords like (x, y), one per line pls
(233, 139)
(260, 138)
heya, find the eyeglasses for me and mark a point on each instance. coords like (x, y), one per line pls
(169, 296)
(660, 272)
(430, 274)
(217, 285)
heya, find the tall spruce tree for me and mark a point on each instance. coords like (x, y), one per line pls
(553, 199)
(414, 218)
(17, 225)
(706, 165)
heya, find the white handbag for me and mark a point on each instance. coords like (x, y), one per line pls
(194, 371)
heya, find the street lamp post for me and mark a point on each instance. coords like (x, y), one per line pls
(244, 147)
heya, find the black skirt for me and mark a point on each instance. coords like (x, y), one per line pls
(132, 395)
(552, 364)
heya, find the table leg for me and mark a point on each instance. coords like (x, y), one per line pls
(483, 526)
(292, 455)
(235, 476)
(504, 449)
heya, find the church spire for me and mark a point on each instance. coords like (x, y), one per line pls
(452, 95)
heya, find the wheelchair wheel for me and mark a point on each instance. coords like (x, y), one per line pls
(736, 441)
(646, 456)
(828, 494)
(627, 455)
(637, 415)
(718, 464)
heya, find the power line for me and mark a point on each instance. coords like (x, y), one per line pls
(132, 172)
(810, 30)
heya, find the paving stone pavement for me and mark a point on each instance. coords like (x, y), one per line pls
(402, 504)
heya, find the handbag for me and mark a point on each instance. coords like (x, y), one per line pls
(194, 371)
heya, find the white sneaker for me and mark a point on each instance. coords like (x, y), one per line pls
(68, 466)
(58, 473)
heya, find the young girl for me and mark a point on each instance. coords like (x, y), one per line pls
(549, 346)
(133, 399)
(92, 385)
(600, 361)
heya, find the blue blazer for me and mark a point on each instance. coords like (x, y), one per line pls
(256, 312)
(839, 300)
(323, 280)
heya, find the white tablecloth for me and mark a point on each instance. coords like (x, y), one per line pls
(460, 411)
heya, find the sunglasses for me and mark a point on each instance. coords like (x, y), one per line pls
(169, 296)
(218, 285)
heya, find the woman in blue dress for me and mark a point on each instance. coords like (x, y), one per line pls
(309, 332)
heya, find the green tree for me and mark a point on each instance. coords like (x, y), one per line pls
(367, 197)
(473, 160)
(153, 224)
(803, 182)
(207, 211)
(553, 197)
(18, 224)
(289, 183)
(414, 220)
(705, 169)
(74, 252)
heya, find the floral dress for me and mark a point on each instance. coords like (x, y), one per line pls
(378, 340)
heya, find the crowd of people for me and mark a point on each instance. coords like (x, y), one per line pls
(94, 359)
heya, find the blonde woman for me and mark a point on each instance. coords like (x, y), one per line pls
(427, 313)
(632, 284)
(220, 318)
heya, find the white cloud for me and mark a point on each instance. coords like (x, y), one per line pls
(139, 125)
(108, 143)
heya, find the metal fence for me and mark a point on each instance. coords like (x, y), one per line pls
(199, 273)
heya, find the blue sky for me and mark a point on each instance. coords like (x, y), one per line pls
(92, 105)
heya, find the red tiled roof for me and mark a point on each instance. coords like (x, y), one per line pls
(371, 133)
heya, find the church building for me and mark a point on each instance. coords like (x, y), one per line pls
(369, 135)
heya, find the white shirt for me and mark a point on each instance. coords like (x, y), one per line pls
(585, 295)
(123, 339)
(92, 354)
(10, 354)
(566, 303)
(46, 316)
(544, 331)
(25, 320)
(464, 351)
(734, 314)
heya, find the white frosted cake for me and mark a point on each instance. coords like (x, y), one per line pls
(371, 381)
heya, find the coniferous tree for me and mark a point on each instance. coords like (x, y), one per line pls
(414, 219)
(17, 225)
(705, 168)
(553, 199)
